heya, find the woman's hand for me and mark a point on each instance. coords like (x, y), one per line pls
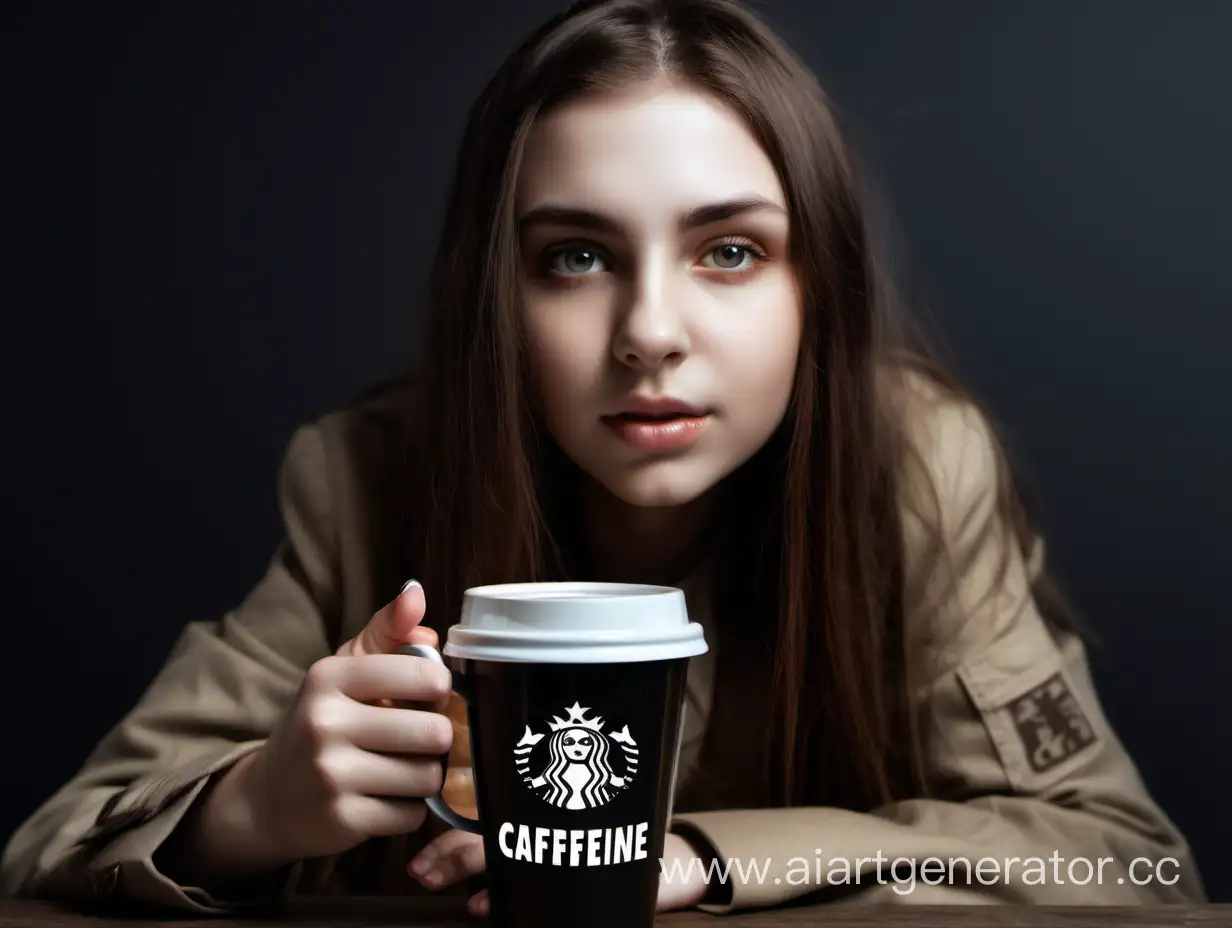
(688, 883)
(344, 763)
(456, 855)
(448, 858)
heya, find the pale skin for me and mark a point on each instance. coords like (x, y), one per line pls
(660, 269)
(643, 303)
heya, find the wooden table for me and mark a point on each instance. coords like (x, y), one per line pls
(448, 914)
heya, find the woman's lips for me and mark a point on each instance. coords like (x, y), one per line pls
(659, 433)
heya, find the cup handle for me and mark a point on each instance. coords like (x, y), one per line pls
(436, 804)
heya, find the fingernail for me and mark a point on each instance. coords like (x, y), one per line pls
(432, 878)
(420, 866)
(410, 584)
(479, 907)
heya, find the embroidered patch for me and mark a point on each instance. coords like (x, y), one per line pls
(1051, 724)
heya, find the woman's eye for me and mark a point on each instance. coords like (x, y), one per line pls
(730, 257)
(572, 262)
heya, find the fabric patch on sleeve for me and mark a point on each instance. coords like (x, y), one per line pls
(1051, 724)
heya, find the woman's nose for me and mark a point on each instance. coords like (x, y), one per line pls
(651, 332)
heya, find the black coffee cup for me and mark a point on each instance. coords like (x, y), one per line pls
(574, 696)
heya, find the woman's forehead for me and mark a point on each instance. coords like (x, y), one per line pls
(643, 156)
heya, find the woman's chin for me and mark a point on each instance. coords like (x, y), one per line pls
(663, 485)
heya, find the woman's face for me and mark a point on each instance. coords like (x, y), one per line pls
(654, 243)
(578, 744)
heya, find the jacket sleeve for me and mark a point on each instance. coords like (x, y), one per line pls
(217, 697)
(1032, 797)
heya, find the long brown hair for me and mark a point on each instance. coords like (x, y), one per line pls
(815, 516)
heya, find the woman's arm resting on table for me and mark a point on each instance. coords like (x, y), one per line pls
(1082, 831)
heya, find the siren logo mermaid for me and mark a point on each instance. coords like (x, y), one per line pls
(578, 772)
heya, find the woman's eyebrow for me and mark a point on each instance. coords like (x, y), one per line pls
(581, 218)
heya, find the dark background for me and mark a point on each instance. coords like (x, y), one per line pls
(221, 214)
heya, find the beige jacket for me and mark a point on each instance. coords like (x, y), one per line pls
(1036, 799)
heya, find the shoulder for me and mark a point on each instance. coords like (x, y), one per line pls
(343, 488)
(357, 440)
(370, 433)
(950, 454)
(966, 570)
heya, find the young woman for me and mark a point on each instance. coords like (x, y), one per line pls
(660, 348)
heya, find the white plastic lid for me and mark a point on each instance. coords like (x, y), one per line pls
(574, 623)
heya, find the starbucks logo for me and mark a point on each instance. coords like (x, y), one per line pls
(581, 766)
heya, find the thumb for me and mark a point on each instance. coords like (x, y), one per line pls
(396, 624)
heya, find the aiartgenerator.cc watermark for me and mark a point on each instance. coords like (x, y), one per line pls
(904, 874)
